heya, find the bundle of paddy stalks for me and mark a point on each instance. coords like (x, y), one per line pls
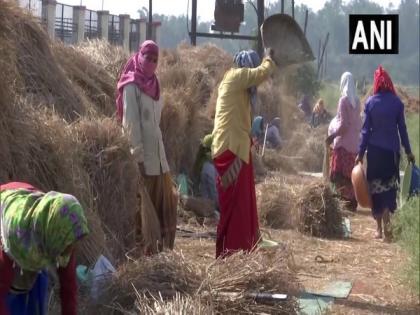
(180, 304)
(114, 176)
(112, 58)
(221, 287)
(36, 73)
(230, 282)
(276, 200)
(89, 78)
(320, 211)
(163, 275)
(44, 156)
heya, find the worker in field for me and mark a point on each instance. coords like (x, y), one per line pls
(305, 107)
(343, 135)
(383, 127)
(273, 134)
(257, 133)
(320, 116)
(231, 150)
(38, 231)
(139, 108)
(205, 173)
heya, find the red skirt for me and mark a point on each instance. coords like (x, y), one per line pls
(342, 163)
(238, 225)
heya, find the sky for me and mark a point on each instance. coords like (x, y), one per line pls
(205, 8)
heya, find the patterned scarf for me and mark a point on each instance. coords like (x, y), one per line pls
(36, 228)
(382, 81)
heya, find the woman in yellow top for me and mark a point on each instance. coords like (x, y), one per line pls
(231, 151)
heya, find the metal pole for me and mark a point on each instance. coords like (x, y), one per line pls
(282, 6)
(319, 52)
(194, 23)
(322, 54)
(103, 5)
(260, 7)
(149, 28)
(306, 22)
(293, 9)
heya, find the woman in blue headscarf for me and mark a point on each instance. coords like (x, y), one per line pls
(231, 152)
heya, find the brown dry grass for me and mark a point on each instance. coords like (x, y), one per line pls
(320, 211)
(167, 275)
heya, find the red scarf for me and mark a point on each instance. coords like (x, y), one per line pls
(382, 81)
(140, 71)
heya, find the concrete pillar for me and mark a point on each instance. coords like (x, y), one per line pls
(156, 32)
(103, 24)
(48, 16)
(125, 31)
(79, 21)
(137, 40)
(143, 30)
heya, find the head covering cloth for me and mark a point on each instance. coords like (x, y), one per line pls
(140, 71)
(248, 59)
(382, 81)
(257, 127)
(37, 228)
(348, 88)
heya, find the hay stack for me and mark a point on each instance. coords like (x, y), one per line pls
(109, 57)
(276, 201)
(90, 79)
(36, 72)
(113, 173)
(169, 276)
(320, 211)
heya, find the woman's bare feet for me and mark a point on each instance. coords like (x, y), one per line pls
(387, 226)
(378, 233)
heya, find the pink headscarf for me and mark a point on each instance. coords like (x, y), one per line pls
(140, 71)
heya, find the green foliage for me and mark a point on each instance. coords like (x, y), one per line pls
(331, 94)
(304, 81)
(413, 126)
(406, 226)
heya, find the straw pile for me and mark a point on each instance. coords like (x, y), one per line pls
(411, 104)
(320, 211)
(276, 203)
(40, 145)
(188, 77)
(220, 287)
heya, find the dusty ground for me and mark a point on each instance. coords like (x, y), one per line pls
(374, 267)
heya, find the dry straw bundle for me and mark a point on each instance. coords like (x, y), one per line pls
(276, 201)
(220, 287)
(320, 211)
(113, 173)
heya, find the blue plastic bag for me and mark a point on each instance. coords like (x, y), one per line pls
(415, 181)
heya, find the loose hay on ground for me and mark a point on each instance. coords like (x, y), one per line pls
(169, 275)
